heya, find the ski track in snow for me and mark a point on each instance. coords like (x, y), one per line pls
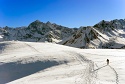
(87, 76)
(116, 74)
(32, 47)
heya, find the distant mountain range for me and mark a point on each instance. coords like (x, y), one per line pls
(105, 34)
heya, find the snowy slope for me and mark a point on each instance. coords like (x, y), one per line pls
(47, 63)
(115, 31)
(37, 32)
(105, 34)
(81, 38)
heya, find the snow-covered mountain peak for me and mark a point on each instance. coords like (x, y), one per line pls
(105, 34)
(37, 31)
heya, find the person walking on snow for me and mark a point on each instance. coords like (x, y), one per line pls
(107, 61)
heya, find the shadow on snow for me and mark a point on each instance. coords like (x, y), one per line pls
(12, 71)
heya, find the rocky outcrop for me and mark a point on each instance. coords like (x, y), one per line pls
(105, 34)
(37, 32)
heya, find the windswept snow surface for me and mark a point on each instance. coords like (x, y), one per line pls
(47, 63)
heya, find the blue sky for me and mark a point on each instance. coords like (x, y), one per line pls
(70, 13)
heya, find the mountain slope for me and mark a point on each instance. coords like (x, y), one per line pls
(37, 32)
(105, 34)
(81, 38)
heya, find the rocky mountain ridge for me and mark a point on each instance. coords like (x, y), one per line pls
(37, 32)
(105, 34)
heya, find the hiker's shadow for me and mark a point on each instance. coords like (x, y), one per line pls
(100, 68)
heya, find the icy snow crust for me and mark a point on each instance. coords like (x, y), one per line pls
(48, 63)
